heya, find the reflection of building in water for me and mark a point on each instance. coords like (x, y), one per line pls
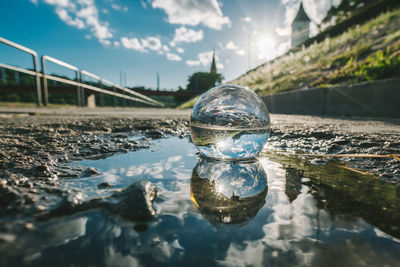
(228, 192)
(293, 183)
(300, 27)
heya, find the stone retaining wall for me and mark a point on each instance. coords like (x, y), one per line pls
(369, 99)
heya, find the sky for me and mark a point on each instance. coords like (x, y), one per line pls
(140, 38)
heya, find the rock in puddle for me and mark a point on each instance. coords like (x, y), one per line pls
(89, 172)
(104, 185)
(134, 203)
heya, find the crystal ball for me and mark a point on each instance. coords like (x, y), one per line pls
(229, 122)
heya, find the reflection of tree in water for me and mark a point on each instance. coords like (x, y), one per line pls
(293, 183)
(346, 194)
(235, 208)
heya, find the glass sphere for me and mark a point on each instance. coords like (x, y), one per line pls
(229, 122)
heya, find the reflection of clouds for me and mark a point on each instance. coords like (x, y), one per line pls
(113, 258)
(66, 232)
(292, 229)
(175, 159)
(249, 254)
(53, 235)
(110, 177)
(383, 234)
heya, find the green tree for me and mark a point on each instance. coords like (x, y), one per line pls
(202, 81)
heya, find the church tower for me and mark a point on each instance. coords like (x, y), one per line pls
(300, 27)
(213, 65)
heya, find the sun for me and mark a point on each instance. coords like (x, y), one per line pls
(266, 46)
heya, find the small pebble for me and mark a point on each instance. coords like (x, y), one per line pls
(104, 185)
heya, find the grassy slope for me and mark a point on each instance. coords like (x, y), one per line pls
(366, 52)
(363, 53)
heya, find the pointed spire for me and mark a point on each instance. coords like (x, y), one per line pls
(213, 65)
(301, 15)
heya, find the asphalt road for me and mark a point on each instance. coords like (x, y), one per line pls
(344, 124)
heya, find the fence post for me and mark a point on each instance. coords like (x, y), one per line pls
(45, 89)
(3, 75)
(101, 94)
(114, 97)
(81, 90)
(37, 83)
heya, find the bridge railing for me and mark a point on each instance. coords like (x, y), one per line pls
(117, 91)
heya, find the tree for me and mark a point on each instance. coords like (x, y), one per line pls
(202, 81)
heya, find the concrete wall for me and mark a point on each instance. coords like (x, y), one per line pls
(370, 99)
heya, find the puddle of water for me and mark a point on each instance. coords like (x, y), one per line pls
(278, 211)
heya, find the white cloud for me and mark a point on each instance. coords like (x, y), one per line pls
(152, 43)
(61, 3)
(185, 35)
(165, 48)
(63, 15)
(106, 42)
(204, 59)
(193, 12)
(173, 57)
(246, 19)
(143, 3)
(283, 48)
(34, 1)
(116, 43)
(119, 7)
(180, 50)
(132, 43)
(142, 45)
(192, 62)
(240, 52)
(83, 14)
(231, 46)
(116, 7)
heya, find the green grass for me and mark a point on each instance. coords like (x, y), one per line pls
(189, 104)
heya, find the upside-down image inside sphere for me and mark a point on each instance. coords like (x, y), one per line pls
(228, 192)
(229, 122)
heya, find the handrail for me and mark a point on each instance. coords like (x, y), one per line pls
(18, 46)
(59, 62)
(79, 91)
(91, 75)
(78, 79)
(35, 65)
(129, 91)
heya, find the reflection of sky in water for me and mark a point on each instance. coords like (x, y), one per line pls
(243, 147)
(284, 232)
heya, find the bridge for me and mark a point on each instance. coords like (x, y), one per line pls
(85, 92)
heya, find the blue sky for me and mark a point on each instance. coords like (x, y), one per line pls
(142, 37)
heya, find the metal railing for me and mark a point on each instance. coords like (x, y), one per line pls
(117, 91)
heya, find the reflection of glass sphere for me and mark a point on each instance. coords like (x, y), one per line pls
(229, 192)
(229, 122)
